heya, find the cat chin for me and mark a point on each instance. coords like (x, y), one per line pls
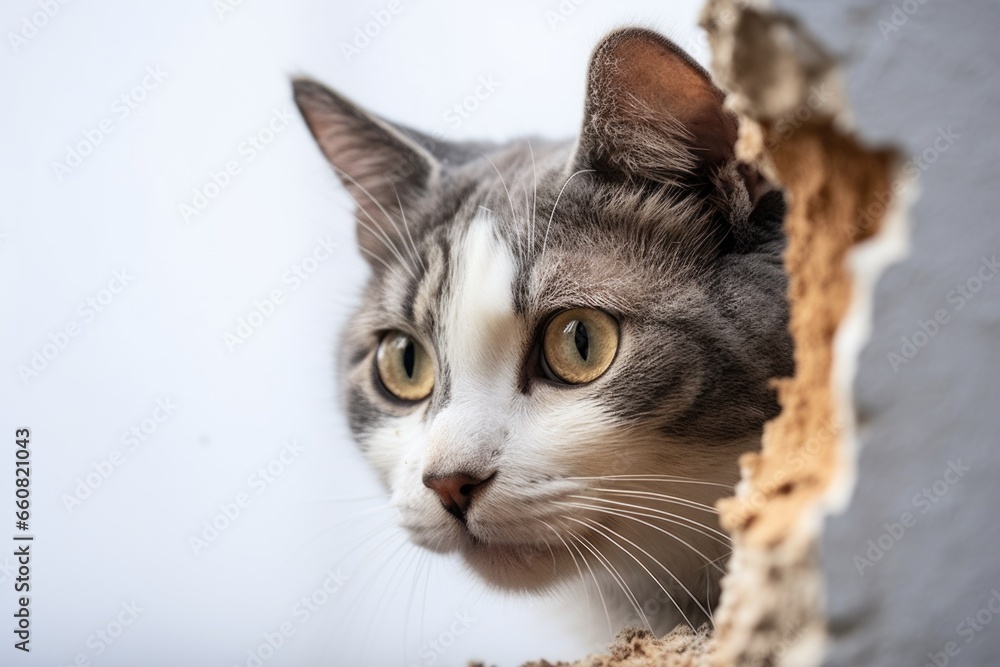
(511, 567)
(514, 567)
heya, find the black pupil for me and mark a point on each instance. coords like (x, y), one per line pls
(409, 358)
(582, 340)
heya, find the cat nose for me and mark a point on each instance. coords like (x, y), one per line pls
(455, 490)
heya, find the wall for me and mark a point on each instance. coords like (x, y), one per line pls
(916, 552)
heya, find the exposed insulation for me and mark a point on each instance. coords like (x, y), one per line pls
(772, 597)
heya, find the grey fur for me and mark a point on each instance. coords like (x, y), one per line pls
(641, 216)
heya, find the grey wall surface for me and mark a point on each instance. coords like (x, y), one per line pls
(913, 567)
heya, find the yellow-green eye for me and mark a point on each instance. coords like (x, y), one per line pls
(580, 344)
(404, 367)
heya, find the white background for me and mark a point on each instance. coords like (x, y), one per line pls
(162, 336)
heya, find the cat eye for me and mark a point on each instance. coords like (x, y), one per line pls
(579, 345)
(404, 367)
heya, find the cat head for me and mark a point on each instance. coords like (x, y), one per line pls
(564, 346)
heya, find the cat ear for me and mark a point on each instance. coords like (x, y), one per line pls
(382, 166)
(652, 111)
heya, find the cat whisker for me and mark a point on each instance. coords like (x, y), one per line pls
(382, 527)
(560, 538)
(708, 561)
(427, 585)
(545, 239)
(525, 241)
(347, 499)
(629, 595)
(708, 600)
(326, 529)
(653, 478)
(534, 196)
(510, 200)
(600, 591)
(377, 258)
(368, 511)
(597, 585)
(684, 502)
(714, 562)
(402, 213)
(392, 220)
(555, 566)
(420, 567)
(397, 576)
(351, 240)
(600, 529)
(633, 516)
(370, 555)
(377, 565)
(373, 551)
(669, 517)
(384, 238)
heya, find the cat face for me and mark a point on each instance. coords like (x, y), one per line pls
(564, 347)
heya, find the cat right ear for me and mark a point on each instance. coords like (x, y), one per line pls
(652, 112)
(382, 168)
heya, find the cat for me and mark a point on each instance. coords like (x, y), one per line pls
(564, 346)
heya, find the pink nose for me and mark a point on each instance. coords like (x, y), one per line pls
(455, 491)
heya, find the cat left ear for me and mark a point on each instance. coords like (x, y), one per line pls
(382, 168)
(652, 111)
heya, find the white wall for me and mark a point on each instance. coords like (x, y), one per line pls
(161, 337)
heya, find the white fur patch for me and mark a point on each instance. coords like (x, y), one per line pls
(481, 323)
(481, 345)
